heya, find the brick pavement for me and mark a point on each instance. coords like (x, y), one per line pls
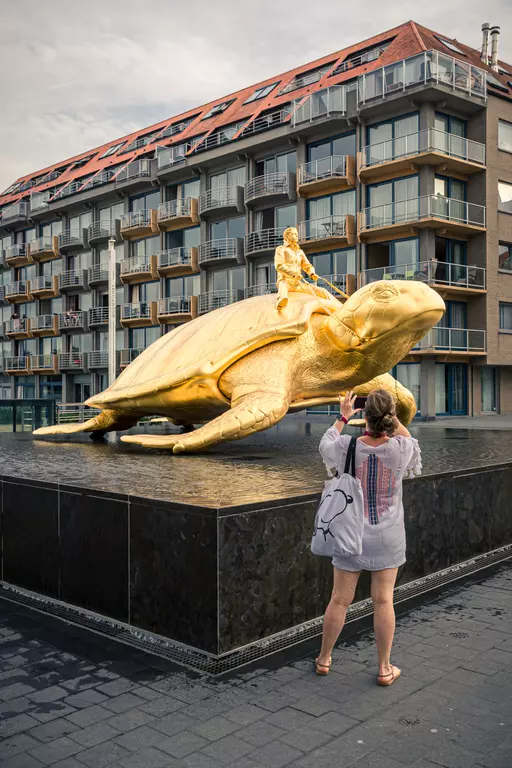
(71, 699)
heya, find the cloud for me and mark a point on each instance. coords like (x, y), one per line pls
(77, 74)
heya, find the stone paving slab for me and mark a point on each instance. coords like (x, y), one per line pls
(71, 699)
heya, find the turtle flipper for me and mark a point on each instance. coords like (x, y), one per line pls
(106, 421)
(405, 403)
(249, 414)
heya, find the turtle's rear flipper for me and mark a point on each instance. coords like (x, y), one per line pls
(106, 421)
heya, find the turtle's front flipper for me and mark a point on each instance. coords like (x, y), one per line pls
(251, 413)
(405, 403)
(106, 421)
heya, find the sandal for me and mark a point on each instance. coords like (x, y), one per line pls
(390, 678)
(322, 669)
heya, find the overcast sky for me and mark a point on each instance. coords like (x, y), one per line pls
(76, 74)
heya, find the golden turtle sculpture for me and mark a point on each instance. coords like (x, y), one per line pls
(240, 369)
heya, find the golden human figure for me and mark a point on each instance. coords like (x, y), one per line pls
(290, 262)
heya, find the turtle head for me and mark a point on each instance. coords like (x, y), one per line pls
(386, 319)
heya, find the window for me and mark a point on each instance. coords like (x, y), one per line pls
(235, 177)
(332, 205)
(260, 93)
(182, 286)
(408, 374)
(83, 161)
(489, 389)
(335, 262)
(218, 109)
(505, 256)
(228, 279)
(505, 197)
(112, 150)
(505, 316)
(220, 230)
(397, 258)
(504, 136)
(335, 147)
(449, 45)
(491, 80)
(277, 164)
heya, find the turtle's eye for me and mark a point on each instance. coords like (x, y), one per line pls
(385, 293)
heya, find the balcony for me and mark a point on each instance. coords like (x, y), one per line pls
(97, 275)
(3, 265)
(98, 316)
(44, 325)
(266, 121)
(44, 248)
(73, 280)
(271, 189)
(127, 356)
(45, 287)
(222, 252)
(72, 361)
(17, 366)
(338, 231)
(447, 279)
(18, 293)
(225, 200)
(260, 290)
(177, 309)
(2, 294)
(18, 329)
(177, 214)
(431, 69)
(44, 364)
(139, 269)
(452, 218)
(17, 255)
(327, 104)
(264, 242)
(452, 341)
(39, 201)
(176, 262)
(102, 231)
(17, 212)
(73, 320)
(139, 224)
(326, 176)
(98, 359)
(134, 175)
(448, 152)
(139, 315)
(207, 302)
(73, 240)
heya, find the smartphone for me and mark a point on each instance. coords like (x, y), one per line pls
(360, 403)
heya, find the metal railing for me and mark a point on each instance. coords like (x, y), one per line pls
(19, 325)
(71, 237)
(72, 188)
(42, 283)
(267, 121)
(301, 81)
(263, 240)
(98, 359)
(136, 219)
(75, 413)
(216, 139)
(98, 316)
(15, 211)
(72, 319)
(42, 323)
(174, 208)
(136, 264)
(40, 200)
(216, 299)
(42, 362)
(41, 245)
(175, 128)
(139, 142)
(99, 179)
(453, 340)
(428, 140)
(220, 197)
(269, 184)
(325, 168)
(139, 311)
(322, 104)
(174, 155)
(127, 356)
(426, 207)
(102, 230)
(139, 169)
(17, 363)
(260, 290)
(327, 226)
(19, 288)
(340, 281)
(174, 257)
(430, 67)
(15, 251)
(72, 278)
(72, 361)
(230, 248)
(432, 272)
(175, 305)
(357, 61)
(2, 292)
(98, 273)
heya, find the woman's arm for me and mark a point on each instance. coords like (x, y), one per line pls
(346, 410)
(400, 430)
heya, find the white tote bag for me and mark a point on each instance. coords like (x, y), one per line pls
(339, 521)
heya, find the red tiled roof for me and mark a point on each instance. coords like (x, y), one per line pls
(406, 40)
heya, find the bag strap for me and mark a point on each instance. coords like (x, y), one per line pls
(350, 462)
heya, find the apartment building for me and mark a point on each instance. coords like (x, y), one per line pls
(394, 159)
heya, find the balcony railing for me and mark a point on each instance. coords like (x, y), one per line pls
(18, 326)
(325, 227)
(73, 319)
(42, 323)
(72, 278)
(98, 274)
(74, 413)
(260, 290)
(267, 121)
(17, 364)
(334, 166)
(98, 316)
(270, 185)
(19, 288)
(221, 250)
(2, 293)
(221, 197)
(175, 305)
(39, 200)
(419, 208)
(139, 169)
(16, 255)
(168, 156)
(16, 211)
(216, 299)
(71, 238)
(263, 241)
(47, 283)
(127, 356)
(44, 246)
(326, 103)
(301, 81)
(102, 230)
(137, 265)
(428, 140)
(428, 68)
(43, 362)
(345, 283)
(432, 272)
(453, 340)
(139, 223)
(72, 361)
(137, 311)
(98, 359)
(174, 257)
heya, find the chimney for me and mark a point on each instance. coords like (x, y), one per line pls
(494, 47)
(485, 42)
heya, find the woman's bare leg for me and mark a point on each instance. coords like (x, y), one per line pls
(383, 583)
(343, 591)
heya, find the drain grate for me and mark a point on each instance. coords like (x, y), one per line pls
(408, 721)
(459, 635)
(216, 665)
